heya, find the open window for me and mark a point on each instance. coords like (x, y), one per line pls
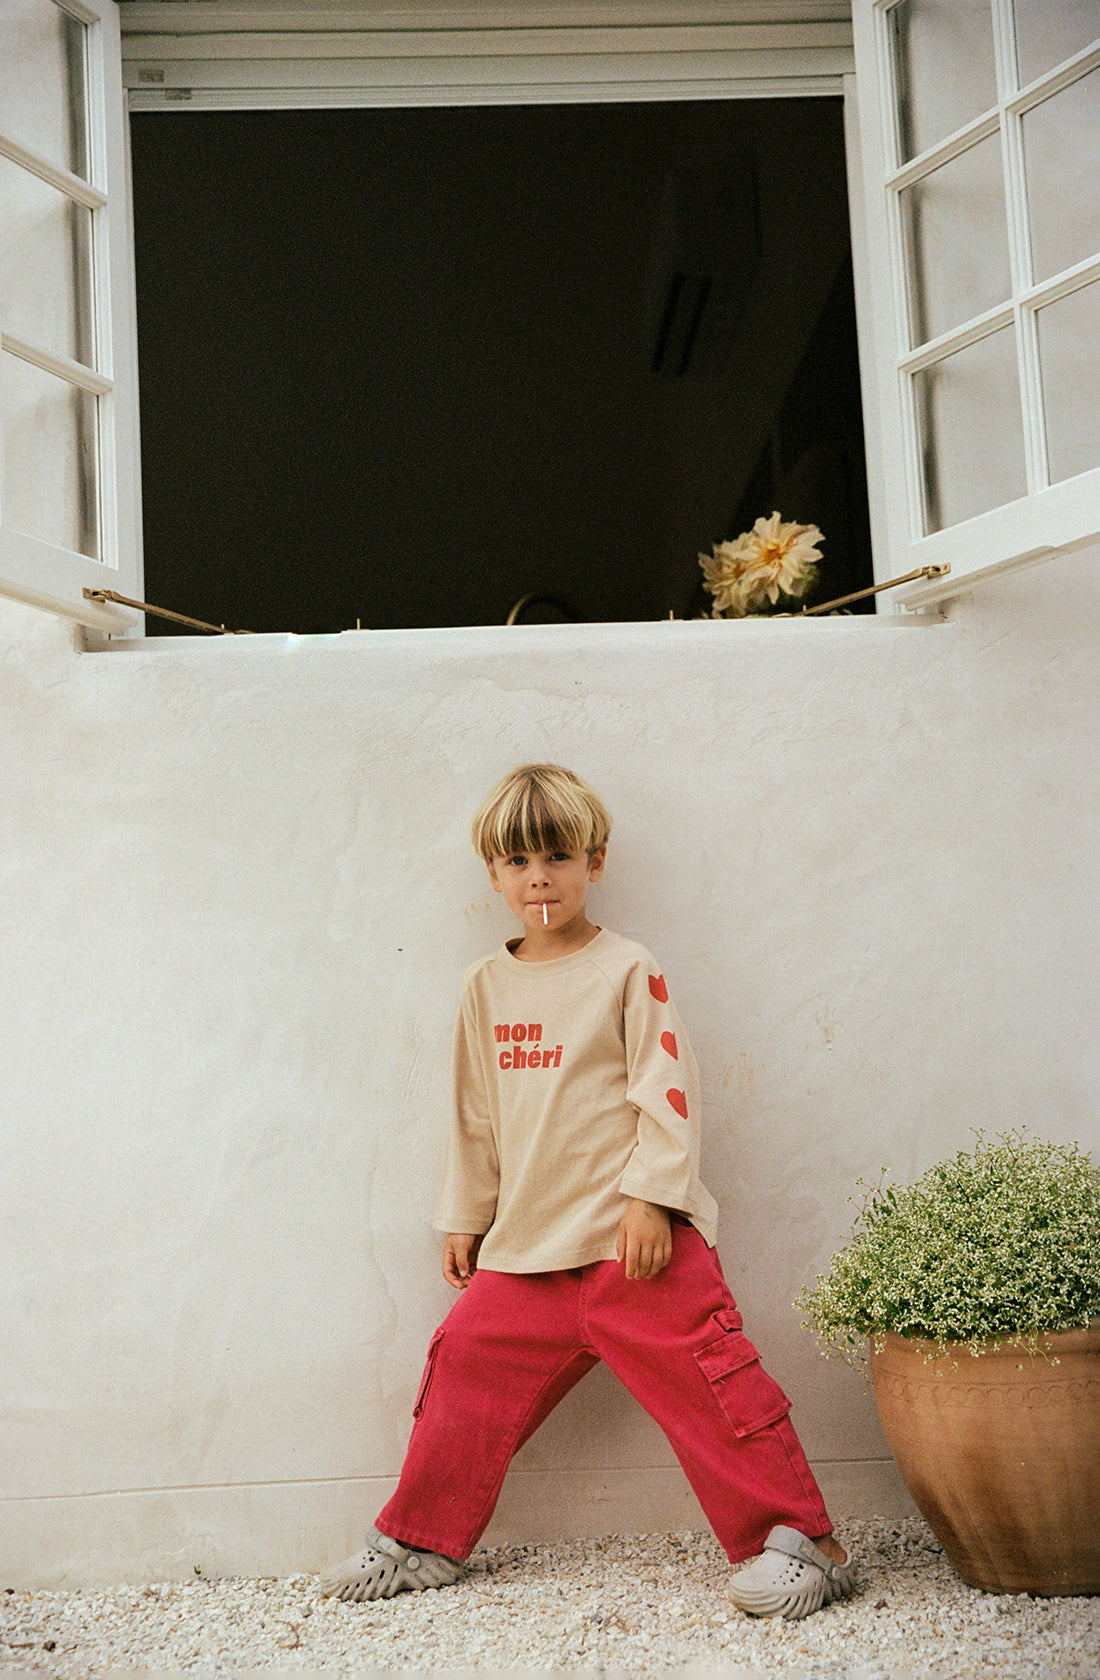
(978, 259)
(508, 362)
(68, 468)
(980, 127)
(668, 201)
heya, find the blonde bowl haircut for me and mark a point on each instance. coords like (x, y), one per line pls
(540, 808)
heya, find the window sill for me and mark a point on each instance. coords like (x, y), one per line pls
(647, 636)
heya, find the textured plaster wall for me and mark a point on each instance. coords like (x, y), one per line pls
(238, 899)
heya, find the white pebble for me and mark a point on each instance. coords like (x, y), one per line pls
(642, 1605)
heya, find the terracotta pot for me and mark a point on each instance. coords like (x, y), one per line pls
(1001, 1453)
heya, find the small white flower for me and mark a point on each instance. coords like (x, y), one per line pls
(999, 1243)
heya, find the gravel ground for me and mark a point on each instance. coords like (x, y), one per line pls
(625, 1606)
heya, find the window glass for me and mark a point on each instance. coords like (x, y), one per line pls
(42, 82)
(944, 66)
(50, 449)
(957, 239)
(972, 443)
(984, 275)
(1061, 157)
(1050, 31)
(1069, 358)
(45, 264)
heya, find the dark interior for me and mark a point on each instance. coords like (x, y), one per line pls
(424, 367)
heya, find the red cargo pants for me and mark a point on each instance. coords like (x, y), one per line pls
(515, 1343)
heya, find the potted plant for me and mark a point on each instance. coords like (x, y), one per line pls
(975, 1292)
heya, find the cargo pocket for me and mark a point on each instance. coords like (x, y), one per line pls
(749, 1398)
(429, 1372)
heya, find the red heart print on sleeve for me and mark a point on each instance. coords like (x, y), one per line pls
(658, 988)
(679, 1102)
(668, 1042)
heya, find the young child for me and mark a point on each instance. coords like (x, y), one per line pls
(578, 1230)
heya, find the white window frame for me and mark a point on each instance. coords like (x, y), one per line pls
(236, 54)
(1048, 519)
(43, 573)
(256, 54)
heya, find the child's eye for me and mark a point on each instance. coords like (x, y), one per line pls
(559, 857)
(517, 862)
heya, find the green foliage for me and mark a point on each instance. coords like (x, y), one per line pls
(999, 1244)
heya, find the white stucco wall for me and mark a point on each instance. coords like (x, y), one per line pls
(238, 900)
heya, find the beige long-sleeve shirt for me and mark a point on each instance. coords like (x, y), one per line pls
(575, 1089)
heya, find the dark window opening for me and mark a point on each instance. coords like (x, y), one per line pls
(425, 367)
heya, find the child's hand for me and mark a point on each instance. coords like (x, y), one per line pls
(460, 1258)
(645, 1239)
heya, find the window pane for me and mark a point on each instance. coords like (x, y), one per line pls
(42, 85)
(945, 69)
(1050, 31)
(956, 241)
(1069, 356)
(972, 441)
(50, 464)
(1062, 156)
(45, 265)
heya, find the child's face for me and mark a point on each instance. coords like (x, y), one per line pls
(558, 880)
